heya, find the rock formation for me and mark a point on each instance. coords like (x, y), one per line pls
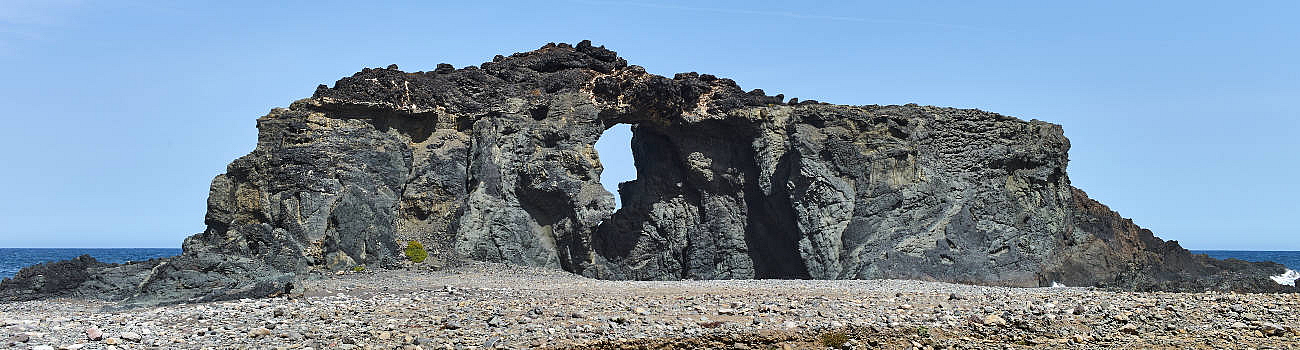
(496, 163)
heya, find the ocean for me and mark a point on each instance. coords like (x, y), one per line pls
(14, 259)
(1289, 258)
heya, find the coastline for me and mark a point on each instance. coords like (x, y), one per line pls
(503, 306)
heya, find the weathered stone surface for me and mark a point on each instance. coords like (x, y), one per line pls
(496, 163)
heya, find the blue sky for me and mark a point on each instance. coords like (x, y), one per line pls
(1182, 115)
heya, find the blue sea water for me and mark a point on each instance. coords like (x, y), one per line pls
(14, 259)
(1289, 258)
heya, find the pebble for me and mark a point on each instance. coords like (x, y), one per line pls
(94, 334)
(130, 336)
(994, 320)
(1271, 328)
(507, 306)
(17, 338)
(259, 332)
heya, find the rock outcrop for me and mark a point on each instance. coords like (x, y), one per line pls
(496, 163)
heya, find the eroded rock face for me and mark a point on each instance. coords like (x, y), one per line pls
(497, 163)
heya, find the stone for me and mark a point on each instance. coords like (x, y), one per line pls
(94, 334)
(130, 336)
(496, 163)
(259, 332)
(42, 347)
(17, 338)
(994, 320)
(1129, 329)
(1272, 329)
(113, 341)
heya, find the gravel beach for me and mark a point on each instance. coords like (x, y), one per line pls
(482, 305)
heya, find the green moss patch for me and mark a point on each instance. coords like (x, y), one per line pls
(415, 252)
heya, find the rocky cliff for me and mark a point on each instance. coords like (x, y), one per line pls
(496, 163)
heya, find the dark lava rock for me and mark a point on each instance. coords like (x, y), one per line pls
(65, 277)
(496, 163)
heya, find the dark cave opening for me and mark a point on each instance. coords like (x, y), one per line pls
(647, 168)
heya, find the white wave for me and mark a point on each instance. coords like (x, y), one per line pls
(1057, 285)
(1287, 278)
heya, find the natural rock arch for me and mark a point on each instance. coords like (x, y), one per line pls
(497, 163)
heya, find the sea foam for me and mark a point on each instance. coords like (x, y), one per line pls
(1287, 278)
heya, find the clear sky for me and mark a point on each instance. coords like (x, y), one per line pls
(1182, 114)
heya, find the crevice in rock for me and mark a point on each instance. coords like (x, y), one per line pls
(539, 112)
(772, 234)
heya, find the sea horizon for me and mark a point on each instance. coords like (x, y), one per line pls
(13, 259)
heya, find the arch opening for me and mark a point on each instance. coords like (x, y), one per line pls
(614, 147)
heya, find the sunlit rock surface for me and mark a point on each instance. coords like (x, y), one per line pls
(497, 163)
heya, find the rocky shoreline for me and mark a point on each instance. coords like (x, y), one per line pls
(485, 305)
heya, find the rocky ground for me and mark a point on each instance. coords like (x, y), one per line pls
(497, 306)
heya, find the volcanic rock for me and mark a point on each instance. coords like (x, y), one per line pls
(497, 163)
